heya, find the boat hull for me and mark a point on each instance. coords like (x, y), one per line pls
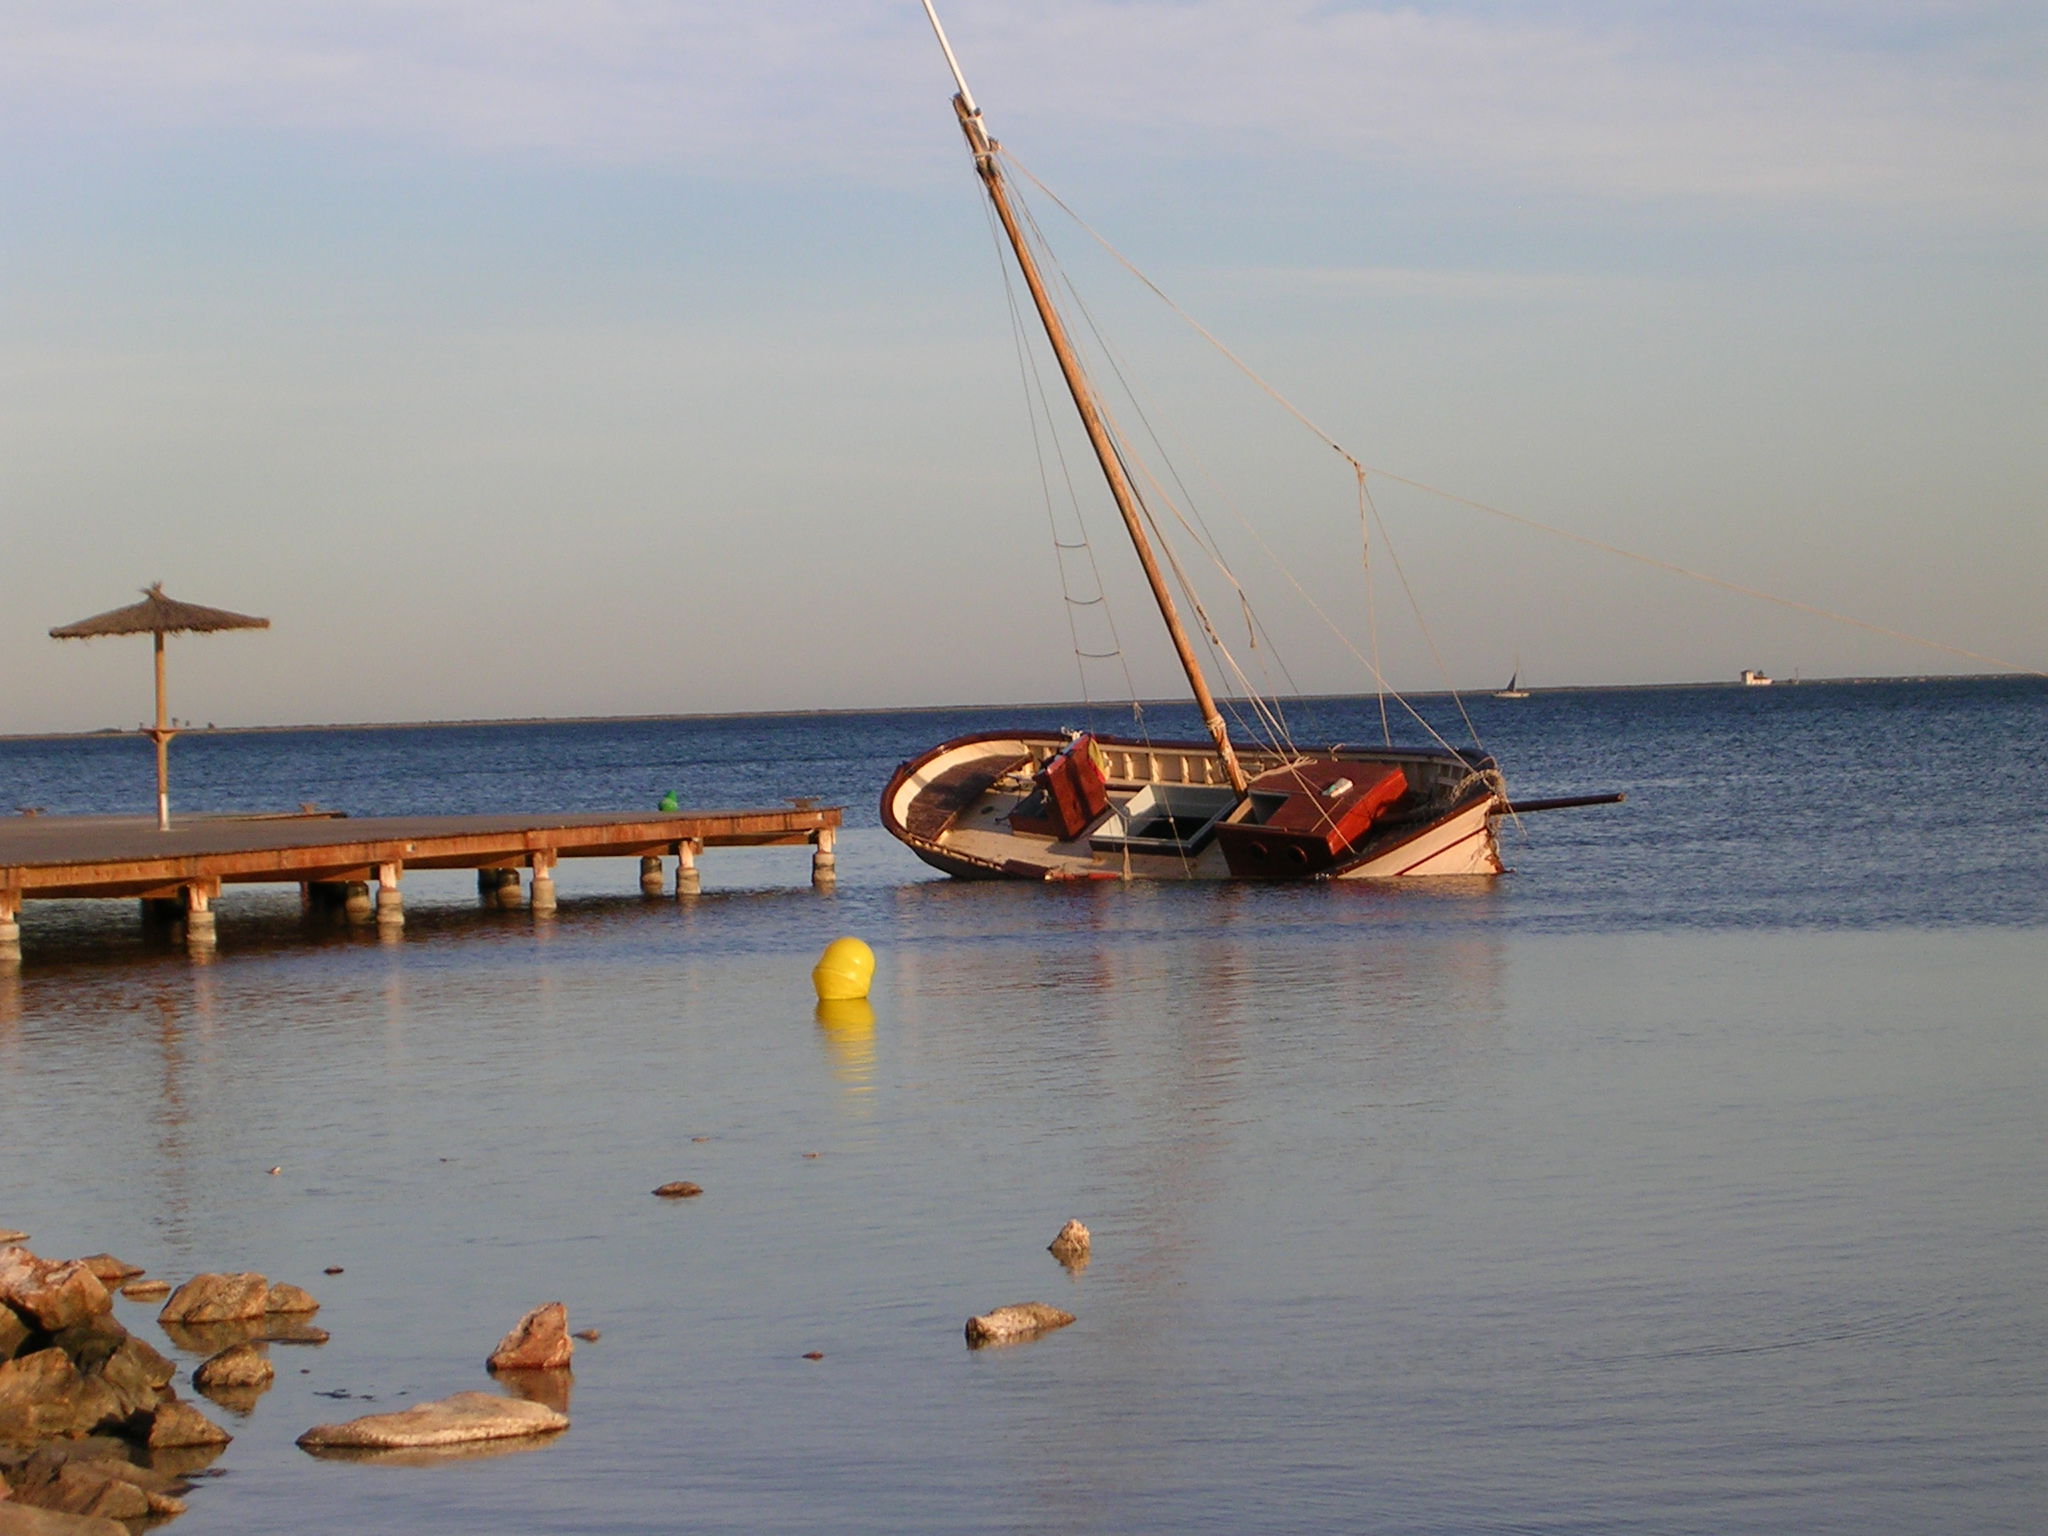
(963, 808)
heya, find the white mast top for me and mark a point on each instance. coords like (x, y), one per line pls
(966, 96)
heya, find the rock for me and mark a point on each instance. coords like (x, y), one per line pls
(1007, 1325)
(1071, 1247)
(90, 1343)
(458, 1420)
(84, 1488)
(14, 1332)
(239, 1366)
(43, 1395)
(681, 1189)
(540, 1341)
(95, 1477)
(17, 1519)
(110, 1269)
(333, 1269)
(814, 1354)
(146, 1290)
(587, 1333)
(217, 1299)
(180, 1424)
(9, 1236)
(290, 1300)
(137, 1376)
(50, 1296)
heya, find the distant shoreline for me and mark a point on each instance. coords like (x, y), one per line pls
(107, 732)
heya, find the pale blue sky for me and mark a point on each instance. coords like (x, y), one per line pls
(554, 358)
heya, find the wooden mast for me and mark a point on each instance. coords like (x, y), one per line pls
(1092, 417)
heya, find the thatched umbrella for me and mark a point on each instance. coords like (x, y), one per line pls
(159, 616)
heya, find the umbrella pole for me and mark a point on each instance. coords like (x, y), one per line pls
(162, 735)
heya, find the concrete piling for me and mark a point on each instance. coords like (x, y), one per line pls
(356, 904)
(200, 935)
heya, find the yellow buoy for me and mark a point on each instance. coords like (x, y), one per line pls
(843, 971)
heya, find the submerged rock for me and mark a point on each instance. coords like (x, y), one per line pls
(217, 1299)
(1008, 1325)
(290, 1300)
(146, 1290)
(109, 1269)
(1072, 1246)
(538, 1342)
(680, 1189)
(237, 1368)
(18, 1519)
(457, 1420)
(180, 1424)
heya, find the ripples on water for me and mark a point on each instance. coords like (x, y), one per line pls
(1689, 1180)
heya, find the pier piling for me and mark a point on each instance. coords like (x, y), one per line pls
(543, 893)
(199, 927)
(333, 860)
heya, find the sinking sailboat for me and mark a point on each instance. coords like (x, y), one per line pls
(1048, 805)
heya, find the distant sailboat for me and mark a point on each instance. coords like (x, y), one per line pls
(1514, 689)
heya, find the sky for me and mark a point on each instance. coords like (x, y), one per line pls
(535, 358)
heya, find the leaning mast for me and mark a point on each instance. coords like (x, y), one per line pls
(1092, 416)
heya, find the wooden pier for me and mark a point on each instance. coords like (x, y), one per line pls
(335, 860)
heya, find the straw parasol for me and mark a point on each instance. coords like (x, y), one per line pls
(159, 616)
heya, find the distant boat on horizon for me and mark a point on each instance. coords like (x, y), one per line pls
(1514, 689)
(1752, 678)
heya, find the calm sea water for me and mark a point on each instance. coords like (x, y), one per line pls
(1691, 1179)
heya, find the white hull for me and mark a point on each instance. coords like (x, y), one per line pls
(953, 807)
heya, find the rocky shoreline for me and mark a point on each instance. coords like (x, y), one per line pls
(92, 1433)
(96, 1441)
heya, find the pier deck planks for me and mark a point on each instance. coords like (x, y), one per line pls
(113, 856)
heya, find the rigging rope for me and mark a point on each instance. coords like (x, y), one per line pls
(1035, 405)
(1671, 567)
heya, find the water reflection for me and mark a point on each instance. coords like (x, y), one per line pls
(1216, 1050)
(208, 1339)
(432, 1455)
(847, 1026)
(551, 1389)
